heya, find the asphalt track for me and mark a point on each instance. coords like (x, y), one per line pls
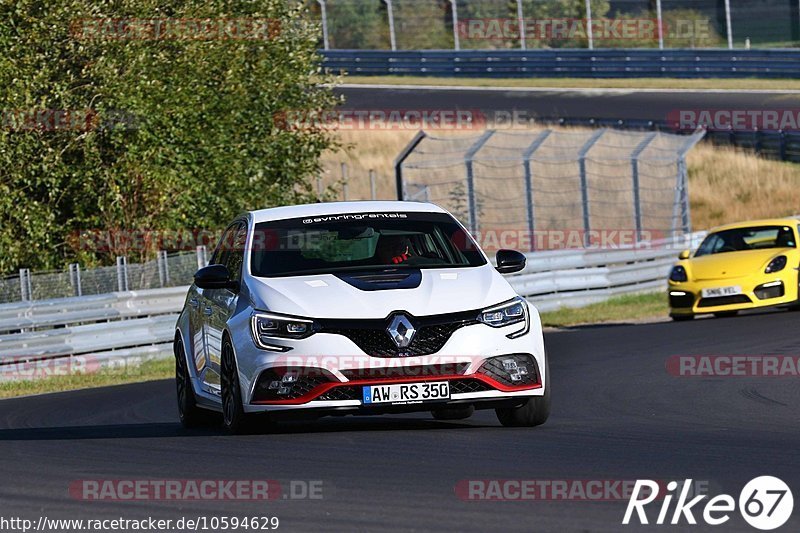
(617, 415)
(655, 105)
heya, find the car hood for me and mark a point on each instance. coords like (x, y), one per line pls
(732, 264)
(326, 296)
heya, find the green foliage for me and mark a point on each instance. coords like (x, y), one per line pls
(356, 24)
(204, 145)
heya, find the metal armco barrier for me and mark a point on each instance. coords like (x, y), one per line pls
(571, 63)
(128, 327)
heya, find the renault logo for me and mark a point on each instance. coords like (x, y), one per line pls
(401, 331)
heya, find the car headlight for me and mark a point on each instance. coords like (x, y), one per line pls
(678, 274)
(266, 326)
(514, 311)
(776, 265)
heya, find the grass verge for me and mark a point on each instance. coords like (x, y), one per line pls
(146, 371)
(584, 83)
(619, 308)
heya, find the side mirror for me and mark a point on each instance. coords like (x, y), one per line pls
(685, 254)
(215, 277)
(509, 261)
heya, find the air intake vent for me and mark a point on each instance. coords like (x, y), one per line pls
(383, 280)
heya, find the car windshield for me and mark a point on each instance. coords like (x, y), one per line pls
(361, 241)
(754, 238)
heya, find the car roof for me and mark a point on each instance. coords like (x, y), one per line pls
(786, 221)
(339, 208)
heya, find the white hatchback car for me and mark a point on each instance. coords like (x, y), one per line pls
(357, 308)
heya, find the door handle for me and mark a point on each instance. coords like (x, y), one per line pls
(208, 311)
(194, 302)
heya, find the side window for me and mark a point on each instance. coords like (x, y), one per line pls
(224, 246)
(235, 257)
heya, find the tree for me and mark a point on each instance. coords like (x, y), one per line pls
(198, 141)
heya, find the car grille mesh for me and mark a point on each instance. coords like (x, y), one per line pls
(457, 386)
(375, 341)
(724, 300)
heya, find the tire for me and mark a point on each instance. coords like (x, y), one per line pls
(726, 314)
(681, 318)
(453, 413)
(190, 414)
(234, 419)
(534, 412)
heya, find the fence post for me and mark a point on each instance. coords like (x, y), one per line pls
(660, 22)
(373, 184)
(319, 187)
(454, 13)
(472, 202)
(163, 268)
(75, 279)
(587, 223)
(527, 155)
(345, 179)
(25, 288)
(637, 201)
(728, 26)
(401, 158)
(202, 253)
(521, 23)
(392, 36)
(682, 184)
(324, 12)
(589, 32)
(122, 273)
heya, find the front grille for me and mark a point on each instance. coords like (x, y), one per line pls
(373, 339)
(724, 300)
(463, 386)
(681, 300)
(517, 370)
(457, 386)
(341, 394)
(418, 371)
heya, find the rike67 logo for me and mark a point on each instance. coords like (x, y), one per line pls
(765, 503)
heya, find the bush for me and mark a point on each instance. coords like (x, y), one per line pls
(179, 133)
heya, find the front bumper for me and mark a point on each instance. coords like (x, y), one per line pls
(342, 370)
(766, 291)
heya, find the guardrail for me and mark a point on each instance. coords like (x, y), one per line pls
(88, 333)
(569, 63)
(575, 278)
(46, 337)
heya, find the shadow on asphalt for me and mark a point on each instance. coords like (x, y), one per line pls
(160, 430)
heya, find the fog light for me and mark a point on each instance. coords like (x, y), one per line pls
(274, 385)
(514, 369)
(773, 289)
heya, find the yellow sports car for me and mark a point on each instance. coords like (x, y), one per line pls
(738, 266)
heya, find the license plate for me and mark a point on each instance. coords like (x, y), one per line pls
(721, 291)
(406, 392)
